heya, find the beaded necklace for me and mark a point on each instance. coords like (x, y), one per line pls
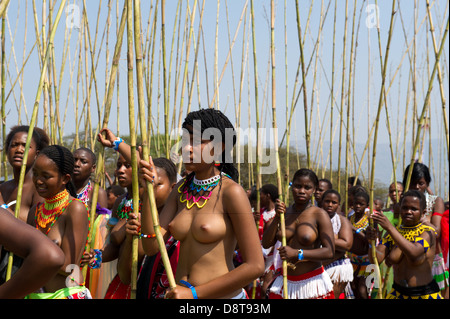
(411, 234)
(126, 206)
(361, 224)
(84, 194)
(193, 189)
(50, 210)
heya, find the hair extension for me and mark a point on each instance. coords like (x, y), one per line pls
(168, 166)
(211, 118)
(39, 136)
(63, 159)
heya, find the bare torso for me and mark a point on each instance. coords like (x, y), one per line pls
(207, 240)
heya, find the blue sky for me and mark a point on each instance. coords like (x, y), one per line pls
(365, 90)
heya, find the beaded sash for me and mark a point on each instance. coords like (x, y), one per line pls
(126, 206)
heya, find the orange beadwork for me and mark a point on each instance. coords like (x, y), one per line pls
(51, 209)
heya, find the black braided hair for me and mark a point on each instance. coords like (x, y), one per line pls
(212, 118)
(64, 160)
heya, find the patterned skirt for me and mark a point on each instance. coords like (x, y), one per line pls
(430, 291)
(78, 292)
(313, 285)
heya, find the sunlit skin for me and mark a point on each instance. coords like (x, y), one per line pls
(207, 235)
(208, 269)
(41, 257)
(307, 227)
(8, 189)
(70, 230)
(411, 264)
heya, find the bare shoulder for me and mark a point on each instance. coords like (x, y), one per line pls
(344, 220)
(317, 211)
(76, 206)
(232, 189)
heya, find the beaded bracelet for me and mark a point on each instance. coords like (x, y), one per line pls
(147, 236)
(300, 254)
(194, 292)
(98, 259)
(117, 143)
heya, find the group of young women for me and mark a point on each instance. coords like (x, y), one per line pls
(207, 222)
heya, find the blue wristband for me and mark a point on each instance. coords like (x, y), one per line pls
(117, 143)
(300, 254)
(194, 293)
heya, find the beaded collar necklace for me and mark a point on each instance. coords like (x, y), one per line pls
(84, 194)
(362, 223)
(49, 211)
(197, 192)
(125, 207)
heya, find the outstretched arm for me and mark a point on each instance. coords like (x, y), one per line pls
(42, 258)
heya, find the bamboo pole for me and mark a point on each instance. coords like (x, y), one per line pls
(131, 119)
(275, 137)
(32, 124)
(258, 138)
(109, 96)
(439, 75)
(332, 92)
(372, 177)
(425, 106)
(145, 152)
(3, 6)
(305, 97)
(3, 80)
(341, 112)
(347, 144)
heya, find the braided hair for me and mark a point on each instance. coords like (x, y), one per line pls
(64, 160)
(212, 118)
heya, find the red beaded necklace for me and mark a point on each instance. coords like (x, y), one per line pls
(49, 211)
